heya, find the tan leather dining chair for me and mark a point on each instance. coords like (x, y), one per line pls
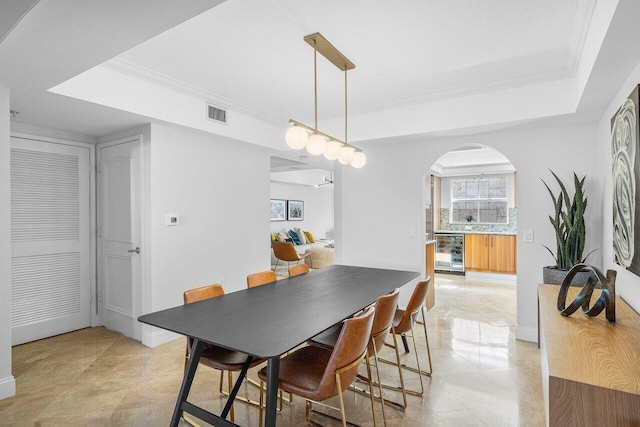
(385, 309)
(286, 251)
(403, 325)
(261, 278)
(213, 356)
(258, 279)
(318, 374)
(298, 269)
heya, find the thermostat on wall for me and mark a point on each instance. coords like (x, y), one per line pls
(171, 219)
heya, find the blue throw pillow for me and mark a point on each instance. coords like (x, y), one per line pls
(294, 237)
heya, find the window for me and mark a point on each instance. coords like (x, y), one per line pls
(479, 200)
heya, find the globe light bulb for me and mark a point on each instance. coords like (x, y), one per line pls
(359, 159)
(316, 144)
(346, 155)
(296, 137)
(332, 152)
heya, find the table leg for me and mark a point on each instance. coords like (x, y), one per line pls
(273, 368)
(236, 387)
(194, 359)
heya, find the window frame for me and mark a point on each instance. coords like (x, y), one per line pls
(478, 200)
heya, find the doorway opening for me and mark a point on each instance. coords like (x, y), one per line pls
(471, 214)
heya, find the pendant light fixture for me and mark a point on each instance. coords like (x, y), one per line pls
(300, 135)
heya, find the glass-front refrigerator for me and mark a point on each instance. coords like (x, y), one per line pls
(450, 253)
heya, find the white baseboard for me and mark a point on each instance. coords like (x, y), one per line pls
(505, 279)
(153, 337)
(7, 387)
(527, 334)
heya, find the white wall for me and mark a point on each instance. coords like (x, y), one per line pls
(378, 205)
(7, 382)
(220, 191)
(627, 283)
(318, 208)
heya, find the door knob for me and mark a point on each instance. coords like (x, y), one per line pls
(136, 250)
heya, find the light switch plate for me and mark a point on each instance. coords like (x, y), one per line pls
(527, 236)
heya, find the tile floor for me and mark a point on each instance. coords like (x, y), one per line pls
(482, 375)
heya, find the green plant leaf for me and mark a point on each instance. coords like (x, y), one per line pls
(568, 222)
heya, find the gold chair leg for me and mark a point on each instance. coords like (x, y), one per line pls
(230, 380)
(187, 419)
(308, 410)
(373, 405)
(398, 365)
(400, 374)
(415, 350)
(339, 386)
(344, 417)
(243, 398)
(404, 366)
(382, 385)
(260, 417)
(382, 401)
(420, 371)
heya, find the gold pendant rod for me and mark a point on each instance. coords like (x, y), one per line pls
(315, 81)
(345, 105)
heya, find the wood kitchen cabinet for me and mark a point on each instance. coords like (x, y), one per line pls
(430, 270)
(495, 253)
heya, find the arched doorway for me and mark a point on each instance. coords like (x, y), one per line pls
(471, 216)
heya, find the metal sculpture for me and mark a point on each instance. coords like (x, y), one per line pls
(607, 300)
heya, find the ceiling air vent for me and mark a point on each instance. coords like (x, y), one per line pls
(217, 114)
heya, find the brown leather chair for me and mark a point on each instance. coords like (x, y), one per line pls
(261, 278)
(298, 269)
(317, 374)
(213, 356)
(385, 309)
(286, 251)
(403, 325)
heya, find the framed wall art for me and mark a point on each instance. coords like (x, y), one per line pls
(626, 177)
(295, 210)
(278, 210)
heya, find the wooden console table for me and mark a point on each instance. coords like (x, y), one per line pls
(590, 367)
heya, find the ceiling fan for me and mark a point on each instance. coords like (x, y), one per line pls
(325, 181)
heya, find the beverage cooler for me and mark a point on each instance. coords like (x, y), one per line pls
(450, 253)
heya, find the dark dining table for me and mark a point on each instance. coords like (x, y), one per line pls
(269, 320)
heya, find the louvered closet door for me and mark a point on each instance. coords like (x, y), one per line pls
(50, 236)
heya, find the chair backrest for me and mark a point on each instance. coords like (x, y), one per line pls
(298, 269)
(382, 320)
(285, 251)
(347, 354)
(414, 305)
(202, 293)
(261, 278)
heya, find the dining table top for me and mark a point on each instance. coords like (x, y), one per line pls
(269, 320)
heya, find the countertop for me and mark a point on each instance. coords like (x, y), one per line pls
(505, 233)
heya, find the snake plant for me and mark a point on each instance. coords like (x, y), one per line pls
(568, 223)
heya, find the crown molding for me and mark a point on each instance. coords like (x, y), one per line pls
(133, 70)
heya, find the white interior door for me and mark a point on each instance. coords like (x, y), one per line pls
(119, 235)
(50, 239)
